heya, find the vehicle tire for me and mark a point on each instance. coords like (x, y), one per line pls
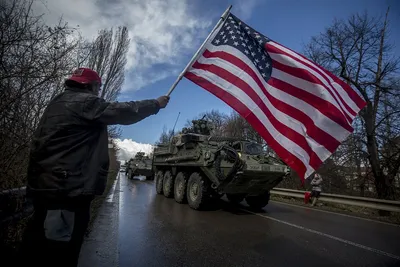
(198, 191)
(159, 182)
(235, 198)
(168, 184)
(180, 186)
(258, 202)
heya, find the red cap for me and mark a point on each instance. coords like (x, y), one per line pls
(85, 76)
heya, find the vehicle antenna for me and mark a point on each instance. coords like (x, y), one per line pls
(173, 129)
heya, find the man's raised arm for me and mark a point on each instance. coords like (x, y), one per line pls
(98, 110)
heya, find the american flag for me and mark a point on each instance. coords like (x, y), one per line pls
(301, 110)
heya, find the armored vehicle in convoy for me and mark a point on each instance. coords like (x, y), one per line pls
(140, 165)
(197, 167)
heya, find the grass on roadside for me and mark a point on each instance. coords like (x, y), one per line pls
(343, 209)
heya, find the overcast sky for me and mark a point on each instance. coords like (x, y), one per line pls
(162, 32)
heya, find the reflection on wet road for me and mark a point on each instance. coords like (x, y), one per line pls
(155, 231)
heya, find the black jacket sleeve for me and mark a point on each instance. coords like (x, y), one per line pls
(98, 110)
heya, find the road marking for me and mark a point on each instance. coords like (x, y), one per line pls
(377, 251)
(110, 198)
(336, 213)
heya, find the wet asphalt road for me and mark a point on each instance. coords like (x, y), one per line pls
(137, 227)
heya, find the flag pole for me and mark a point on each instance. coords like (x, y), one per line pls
(221, 20)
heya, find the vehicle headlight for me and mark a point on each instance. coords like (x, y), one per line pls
(240, 155)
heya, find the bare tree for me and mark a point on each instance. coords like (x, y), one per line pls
(34, 60)
(165, 136)
(107, 55)
(357, 49)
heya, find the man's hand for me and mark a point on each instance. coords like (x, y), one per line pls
(163, 101)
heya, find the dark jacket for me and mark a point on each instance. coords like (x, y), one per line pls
(69, 153)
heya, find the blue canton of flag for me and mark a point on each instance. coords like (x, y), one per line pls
(251, 43)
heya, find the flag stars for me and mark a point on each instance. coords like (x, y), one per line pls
(247, 41)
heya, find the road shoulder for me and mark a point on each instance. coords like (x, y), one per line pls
(100, 248)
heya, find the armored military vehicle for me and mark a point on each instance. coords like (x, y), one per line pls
(198, 167)
(140, 165)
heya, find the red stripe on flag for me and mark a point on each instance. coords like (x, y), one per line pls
(324, 107)
(313, 131)
(305, 75)
(359, 101)
(283, 153)
(291, 134)
(308, 76)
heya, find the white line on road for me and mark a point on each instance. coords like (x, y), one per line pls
(110, 198)
(328, 236)
(335, 213)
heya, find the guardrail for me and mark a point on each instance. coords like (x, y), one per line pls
(13, 205)
(364, 202)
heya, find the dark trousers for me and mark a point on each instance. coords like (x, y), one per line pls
(37, 249)
(315, 194)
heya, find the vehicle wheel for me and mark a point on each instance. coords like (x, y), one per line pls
(235, 198)
(168, 184)
(258, 202)
(180, 186)
(198, 191)
(159, 182)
